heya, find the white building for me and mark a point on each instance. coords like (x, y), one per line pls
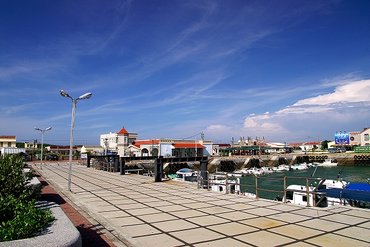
(8, 141)
(171, 148)
(117, 142)
(365, 137)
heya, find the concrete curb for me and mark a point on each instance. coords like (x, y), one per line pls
(60, 233)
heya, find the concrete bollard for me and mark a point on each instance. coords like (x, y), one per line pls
(122, 167)
(204, 172)
(158, 170)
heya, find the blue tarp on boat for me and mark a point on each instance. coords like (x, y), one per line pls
(353, 191)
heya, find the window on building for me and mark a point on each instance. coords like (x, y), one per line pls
(9, 144)
(366, 137)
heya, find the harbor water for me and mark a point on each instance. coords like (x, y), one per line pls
(271, 185)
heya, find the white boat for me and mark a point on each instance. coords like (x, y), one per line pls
(299, 167)
(328, 163)
(255, 171)
(266, 170)
(281, 168)
(311, 196)
(224, 184)
(186, 174)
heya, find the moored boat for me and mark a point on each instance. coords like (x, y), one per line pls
(328, 163)
(186, 174)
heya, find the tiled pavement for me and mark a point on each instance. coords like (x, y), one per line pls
(140, 212)
(91, 234)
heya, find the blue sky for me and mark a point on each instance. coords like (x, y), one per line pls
(287, 71)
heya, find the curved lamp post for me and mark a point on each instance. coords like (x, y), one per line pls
(74, 102)
(42, 141)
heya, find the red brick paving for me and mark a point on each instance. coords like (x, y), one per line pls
(90, 236)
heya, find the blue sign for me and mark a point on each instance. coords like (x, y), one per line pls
(341, 138)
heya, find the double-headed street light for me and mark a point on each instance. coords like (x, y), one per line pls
(74, 102)
(42, 141)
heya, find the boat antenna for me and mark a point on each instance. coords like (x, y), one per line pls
(339, 174)
(313, 173)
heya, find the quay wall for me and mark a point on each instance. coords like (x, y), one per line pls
(343, 159)
(232, 163)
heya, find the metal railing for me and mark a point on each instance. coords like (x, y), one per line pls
(226, 180)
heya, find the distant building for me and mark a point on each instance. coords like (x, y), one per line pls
(305, 146)
(92, 150)
(8, 145)
(117, 142)
(8, 141)
(365, 137)
(63, 150)
(171, 148)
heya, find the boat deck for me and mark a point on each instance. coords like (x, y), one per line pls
(140, 212)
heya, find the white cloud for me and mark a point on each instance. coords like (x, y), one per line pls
(358, 91)
(347, 107)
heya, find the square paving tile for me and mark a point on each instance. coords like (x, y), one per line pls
(301, 244)
(158, 240)
(264, 238)
(139, 230)
(223, 243)
(196, 205)
(282, 207)
(345, 219)
(174, 225)
(263, 203)
(215, 210)
(360, 213)
(196, 235)
(114, 214)
(142, 211)
(105, 209)
(159, 204)
(184, 214)
(131, 206)
(263, 223)
(365, 225)
(172, 208)
(221, 202)
(296, 232)
(322, 225)
(236, 215)
(207, 220)
(151, 218)
(125, 221)
(288, 217)
(356, 233)
(232, 228)
(240, 206)
(333, 240)
(261, 211)
(311, 212)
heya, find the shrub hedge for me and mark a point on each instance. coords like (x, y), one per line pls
(19, 218)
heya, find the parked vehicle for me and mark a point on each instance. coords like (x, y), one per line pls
(52, 157)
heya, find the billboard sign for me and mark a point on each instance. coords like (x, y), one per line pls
(341, 138)
(362, 149)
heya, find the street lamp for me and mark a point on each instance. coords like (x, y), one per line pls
(42, 140)
(74, 102)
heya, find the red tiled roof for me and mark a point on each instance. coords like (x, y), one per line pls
(187, 145)
(7, 137)
(122, 131)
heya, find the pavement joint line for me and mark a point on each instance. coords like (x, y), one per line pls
(199, 226)
(116, 241)
(220, 223)
(143, 186)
